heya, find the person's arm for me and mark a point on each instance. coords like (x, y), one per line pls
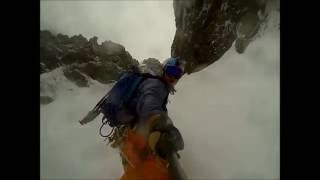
(153, 118)
(150, 131)
(150, 107)
(158, 130)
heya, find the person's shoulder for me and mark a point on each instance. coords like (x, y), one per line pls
(154, 83)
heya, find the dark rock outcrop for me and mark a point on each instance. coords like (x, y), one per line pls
(79, 60)
(77, 77)
(82, 58)
(206, 29)
(46, 100)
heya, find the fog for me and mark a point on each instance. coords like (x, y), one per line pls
(145, 28)
(228, 113)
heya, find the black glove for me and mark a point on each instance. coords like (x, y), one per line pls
(170, 141)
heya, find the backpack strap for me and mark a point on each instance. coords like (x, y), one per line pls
(133, 88)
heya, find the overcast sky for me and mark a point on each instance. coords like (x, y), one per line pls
(145, 28)
(228, 113)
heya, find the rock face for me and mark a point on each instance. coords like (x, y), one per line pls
(77, 77)
(79, 60)
(206, 29)
(45, 99)
(82, 58)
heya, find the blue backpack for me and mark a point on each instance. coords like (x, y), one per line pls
(117, 100)
(119, 96)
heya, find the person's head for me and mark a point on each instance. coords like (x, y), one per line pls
(172, 70)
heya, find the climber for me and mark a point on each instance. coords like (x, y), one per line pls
(147, 147)
(135, 108)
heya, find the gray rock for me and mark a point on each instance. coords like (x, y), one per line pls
(84, 58)
(64, 39)
(45, 100)
(76, 76)
(109, 48)
(49, 51)
(79, 41)
(206, 29)
(102, 72)
(43, 68)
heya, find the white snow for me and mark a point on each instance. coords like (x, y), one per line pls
(68, 150)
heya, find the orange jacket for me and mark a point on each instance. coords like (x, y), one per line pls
(142, 163)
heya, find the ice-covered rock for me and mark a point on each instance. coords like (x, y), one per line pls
(206, 29)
